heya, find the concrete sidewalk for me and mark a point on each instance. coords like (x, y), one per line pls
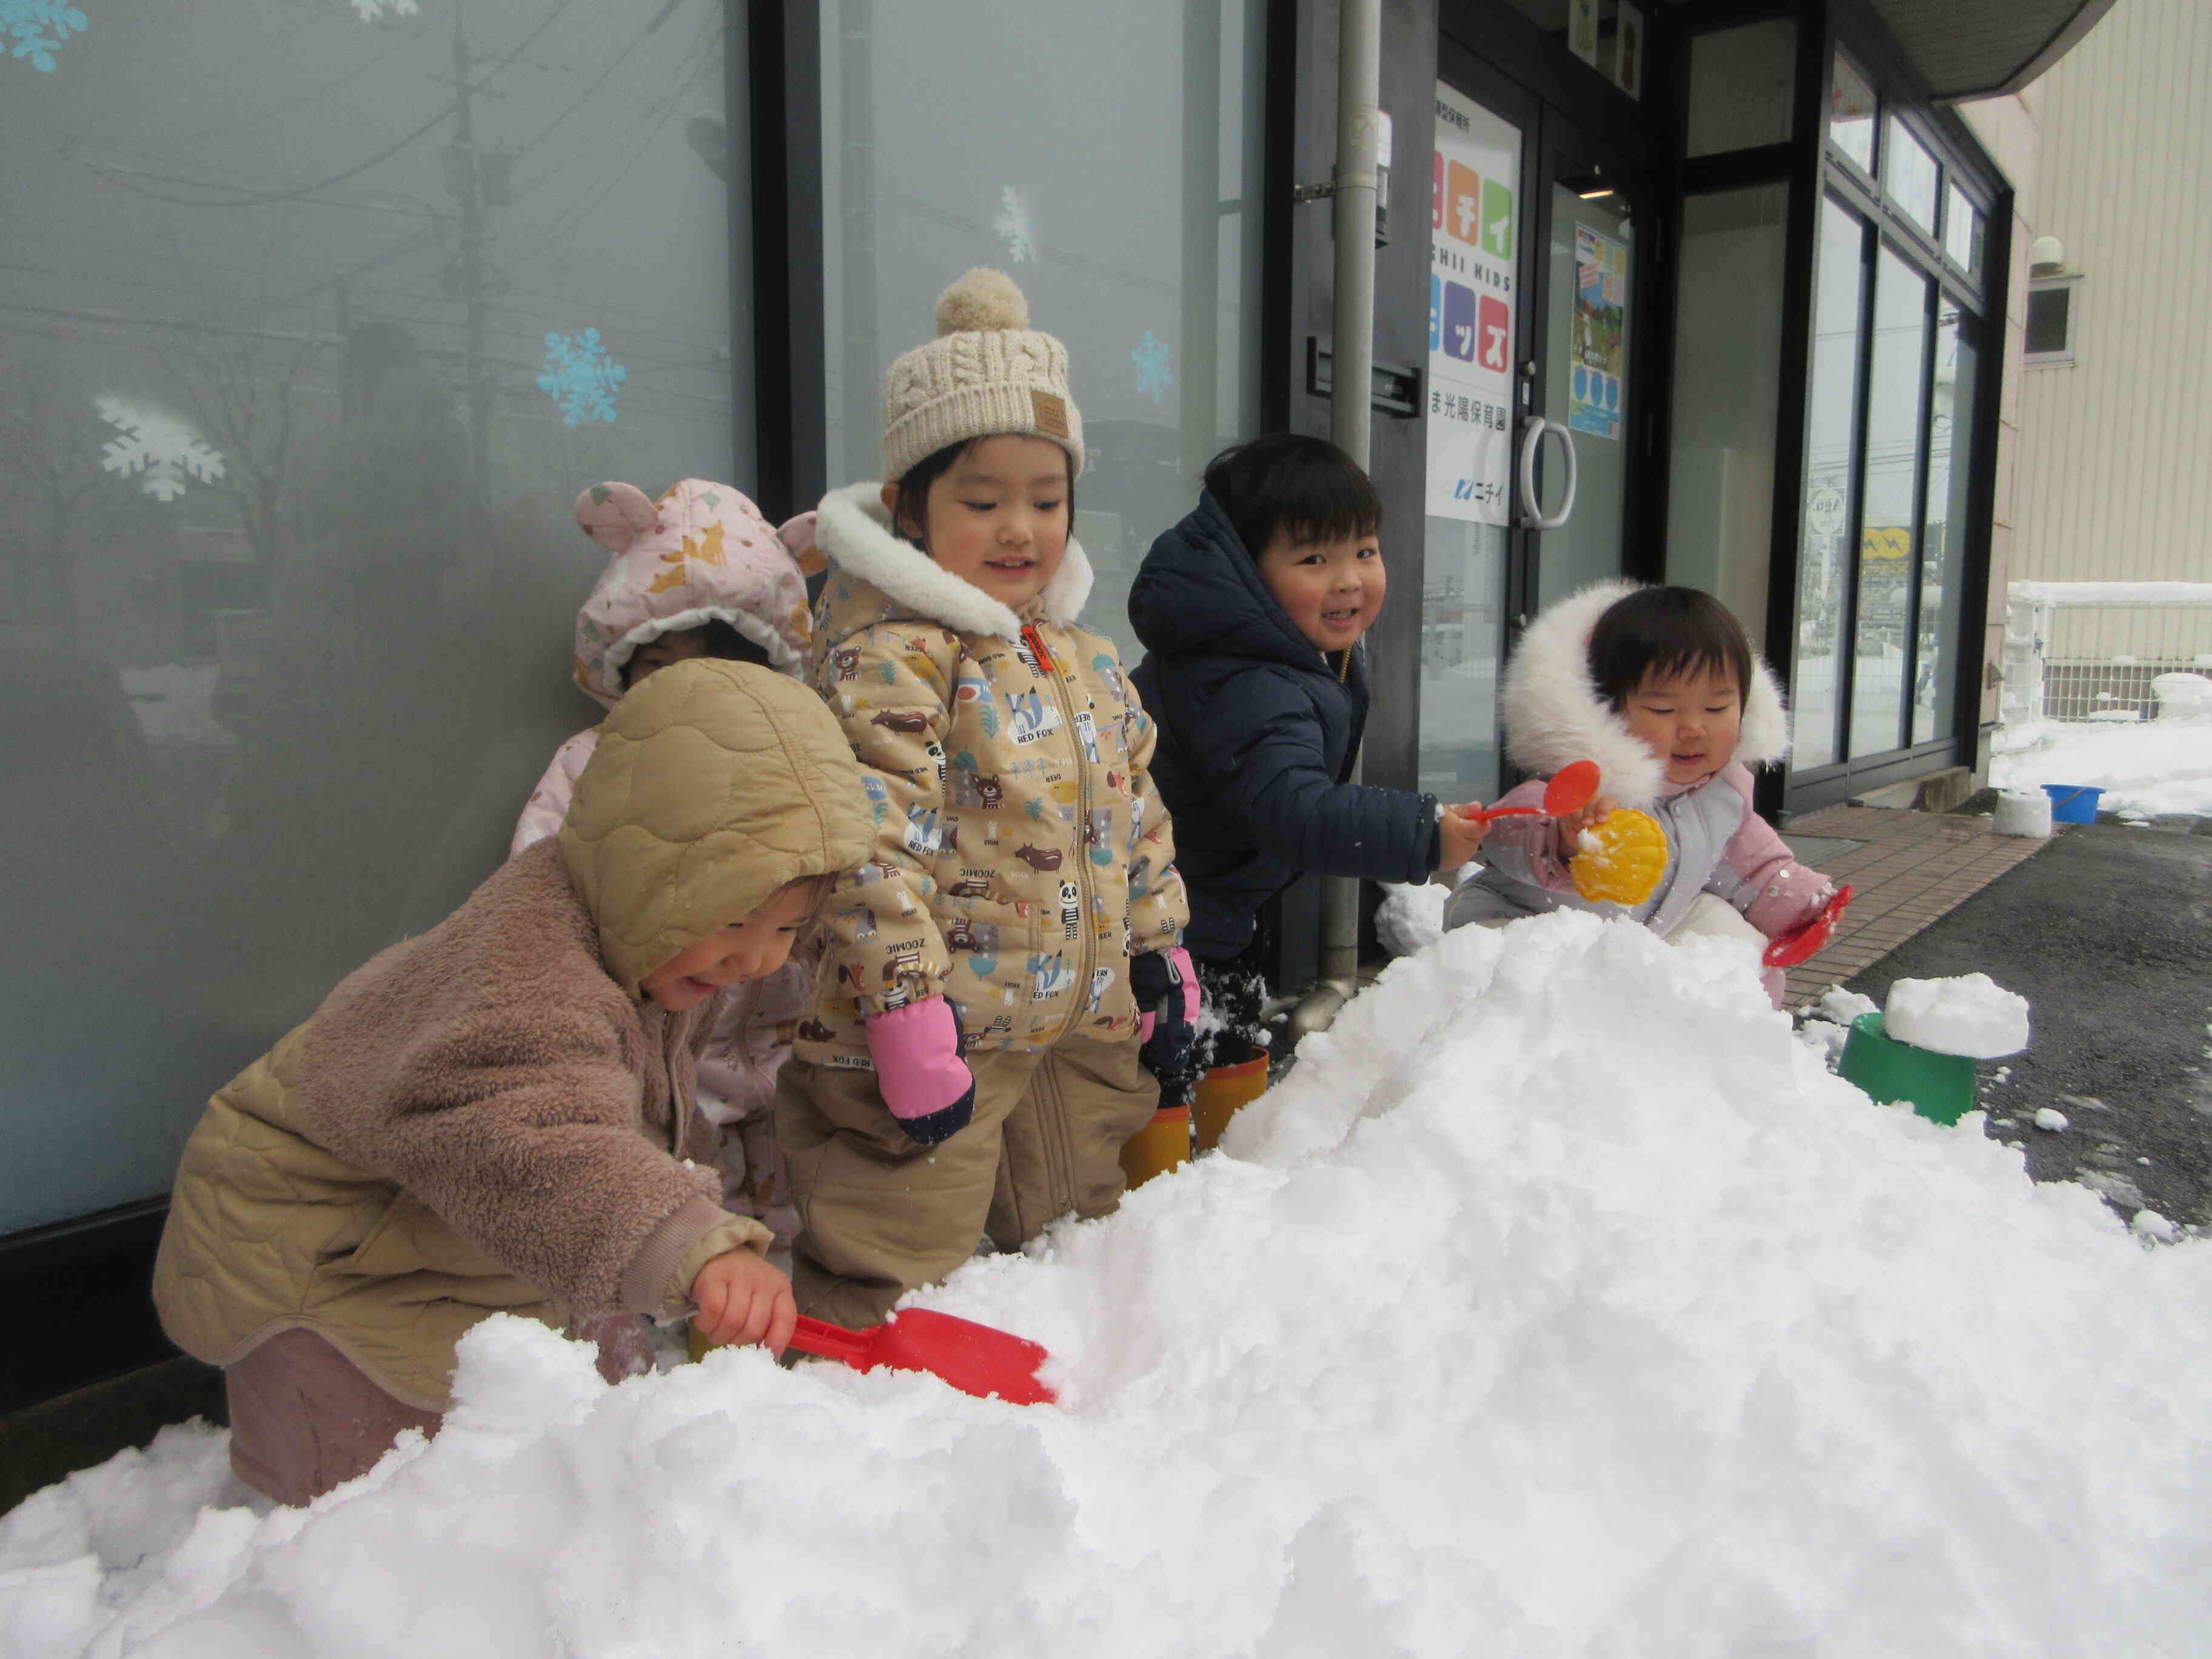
(1907, 869)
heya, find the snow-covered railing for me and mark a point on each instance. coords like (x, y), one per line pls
(2080, 651)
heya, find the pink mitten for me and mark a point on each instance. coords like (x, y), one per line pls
(918, 1069)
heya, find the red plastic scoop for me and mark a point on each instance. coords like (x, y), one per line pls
(1570, 791)
(1805, 943)
(974, 1358)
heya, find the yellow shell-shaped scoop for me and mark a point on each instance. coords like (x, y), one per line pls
(1622, 858)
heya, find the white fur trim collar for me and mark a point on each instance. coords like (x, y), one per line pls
(1554, 713)
(855, 531)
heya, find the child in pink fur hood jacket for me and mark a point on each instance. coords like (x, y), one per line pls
(1659, 686)
(699, 573)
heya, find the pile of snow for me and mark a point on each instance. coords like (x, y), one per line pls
(2158, 766)
(1558, 1303)
(2186, 697)
(1410, 917)
(1970, 1014)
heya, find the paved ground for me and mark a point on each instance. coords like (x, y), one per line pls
(1906, 869)
(2107, 931)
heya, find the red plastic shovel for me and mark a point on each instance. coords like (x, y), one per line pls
(974, 1358)
(1805, 943)
(1570, 791)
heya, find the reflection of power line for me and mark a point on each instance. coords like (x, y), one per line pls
(575, 215)
(264, 198)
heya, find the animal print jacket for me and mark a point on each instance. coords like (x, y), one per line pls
(1022, 853)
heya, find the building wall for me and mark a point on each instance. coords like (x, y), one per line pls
(2011, 129)
(2111, 480)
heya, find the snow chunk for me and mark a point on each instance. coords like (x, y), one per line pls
(1972, 1015)
(2150, 1225)
(2050, 1118)
(1844, 1007)
(1410, 917)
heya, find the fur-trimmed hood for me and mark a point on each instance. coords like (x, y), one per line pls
(1554, 713)
(854, 531)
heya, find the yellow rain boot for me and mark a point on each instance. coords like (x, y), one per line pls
(1161, 1145)
(1222, 1091)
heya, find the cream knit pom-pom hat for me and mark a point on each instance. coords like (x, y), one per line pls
(987, 373)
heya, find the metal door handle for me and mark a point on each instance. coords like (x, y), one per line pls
(1532, 511)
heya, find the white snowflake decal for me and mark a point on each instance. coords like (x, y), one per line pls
(580, 376)
(1155, 374)
(1017, 226)
(370, 11)
(40, 29)
(156, 444)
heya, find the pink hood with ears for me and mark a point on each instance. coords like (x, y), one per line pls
(702, 553)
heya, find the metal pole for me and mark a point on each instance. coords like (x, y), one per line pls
(1358, 123)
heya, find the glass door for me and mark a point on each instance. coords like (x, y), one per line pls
(1476, 223)
(1533, 446)
(1577, 508)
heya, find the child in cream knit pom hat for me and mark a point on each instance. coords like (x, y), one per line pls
(1000, 983)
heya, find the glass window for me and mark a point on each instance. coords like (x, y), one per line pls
(1741, 87)
(1962, 231)
(2050, 321)
(1851, 111)
(1728, 356)
(1943, 541)
(1894, 427)
(316, 325)
(1824, 564)
(1912, 178)
(988, 145)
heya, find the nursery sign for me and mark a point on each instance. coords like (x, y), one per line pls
(1474, 175)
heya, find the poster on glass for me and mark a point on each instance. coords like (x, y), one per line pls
(1474, 174)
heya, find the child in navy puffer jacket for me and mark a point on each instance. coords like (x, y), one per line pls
(1252, 609)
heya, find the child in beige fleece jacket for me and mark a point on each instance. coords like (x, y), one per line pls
(498, 1117)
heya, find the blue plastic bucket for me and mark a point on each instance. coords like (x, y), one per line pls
(2073, 803)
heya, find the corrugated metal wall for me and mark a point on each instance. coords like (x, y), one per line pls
(2114, 479)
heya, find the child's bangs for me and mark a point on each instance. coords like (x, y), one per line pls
(1663, 633)
(1289, 484)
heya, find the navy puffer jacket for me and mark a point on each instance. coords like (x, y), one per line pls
(1257, 736)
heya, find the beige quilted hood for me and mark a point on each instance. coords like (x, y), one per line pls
(713, 785)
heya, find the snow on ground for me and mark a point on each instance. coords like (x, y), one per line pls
(2149, 767)
(1558, 1303)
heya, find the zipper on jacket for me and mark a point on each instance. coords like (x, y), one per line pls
(1087, 957)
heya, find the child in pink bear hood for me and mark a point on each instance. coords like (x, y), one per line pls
(699, 573)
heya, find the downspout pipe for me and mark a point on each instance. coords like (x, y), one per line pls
(1358, 132)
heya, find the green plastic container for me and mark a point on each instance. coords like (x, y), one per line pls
(1940, 1087)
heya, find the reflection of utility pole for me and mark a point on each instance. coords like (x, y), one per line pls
(860, 408)
(464, 179)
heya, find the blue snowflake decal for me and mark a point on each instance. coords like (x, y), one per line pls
(580, 376)
(27, 22)
(1154, 376)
